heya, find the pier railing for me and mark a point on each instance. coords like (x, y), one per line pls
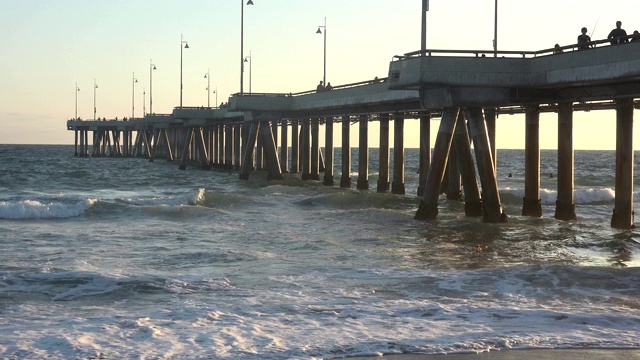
(502, 53)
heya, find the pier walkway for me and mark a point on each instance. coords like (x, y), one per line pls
(467, 89)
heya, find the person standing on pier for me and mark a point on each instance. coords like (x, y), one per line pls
(618, 35)
(584, 40)
(320, 87)
(635, 36)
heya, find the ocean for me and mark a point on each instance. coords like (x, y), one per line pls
(112, 258)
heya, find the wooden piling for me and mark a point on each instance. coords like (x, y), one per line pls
(270, 152)
(623, 212)
(249, 146)
(398, 155)
(305, 149)
(425, 151)
(383, 170)
(284, 147)
(462, 146)
(295, 147)
(315, 149)
(345, 179)
(491, 207)
(565, 204)
(363, 154)
(531, 205)
(328, 149)
(428, 208)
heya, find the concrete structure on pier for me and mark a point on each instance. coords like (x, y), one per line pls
(458, 86)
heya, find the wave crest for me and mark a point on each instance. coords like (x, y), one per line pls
(33, 209)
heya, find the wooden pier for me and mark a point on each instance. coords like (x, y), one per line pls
(465, 89)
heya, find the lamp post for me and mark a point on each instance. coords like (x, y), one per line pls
(495, 32)
(77, 89)
(208, 77)
(144, 100)
(324, 76)
(425, 8)
(95, 86)
(216, 92)
(250, 2)
(186, 46)
(133, 95)
(248, 58)
(151, 68)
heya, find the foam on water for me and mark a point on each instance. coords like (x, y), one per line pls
(34, 209)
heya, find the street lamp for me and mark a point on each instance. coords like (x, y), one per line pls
(95, 86)
(77, 89)
(208, 77)
(495, 32)
(133, 95)
(324, 76)
(250, 2)
(216, 92)
(144, 100)
(151, 68)
(248, 58)
(186, 46)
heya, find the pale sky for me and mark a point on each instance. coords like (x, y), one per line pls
(49, 45)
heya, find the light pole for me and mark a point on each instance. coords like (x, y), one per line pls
(151, 68)
(495, 32)
(133, 95)
(324, 76)
(95, 86)
(250, 2)
(144, 100)
(216, 92)
(248, 58)
(208, 77)
(77, 89)
(186, 46)
(425, 8)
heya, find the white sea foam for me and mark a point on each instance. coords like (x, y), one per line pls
(581, 196)
(33, 209)
(193, 198)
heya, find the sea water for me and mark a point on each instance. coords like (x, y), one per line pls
(109, 258)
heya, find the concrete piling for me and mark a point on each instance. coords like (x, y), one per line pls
(328, 149)
(462, 146)
(363, 154)
(623, 212)
(383, 171)
(531, 205)
(398, 155)
(565, 204)
(345, 179)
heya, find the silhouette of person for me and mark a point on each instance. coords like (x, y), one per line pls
(635, 36)
(618, 35)
(329, 87)
(556, 49)
(584, 40)
(320, 87)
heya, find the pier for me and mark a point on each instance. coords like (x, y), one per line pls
(465, 89)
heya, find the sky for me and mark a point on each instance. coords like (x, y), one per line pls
(50, 45)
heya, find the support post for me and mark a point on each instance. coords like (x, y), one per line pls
(185, 149)
(284, 147)
(491, 207)
(383, 170)
(398, 155)
(345, 179)
(454, 182)
(623, 212)
(295, 147)
(228, 141)
(565, 204)
(315, 149)
(249, 146)
(428, 208)
(490, 116)
(305, 147)
(462, 146)
(270, 152)
(363, 154)
(328, 149)
(425, 151)
(531, 205)
(237, 143)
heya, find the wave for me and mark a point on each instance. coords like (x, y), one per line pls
(589, 196)
(172, 200)
(33, 209)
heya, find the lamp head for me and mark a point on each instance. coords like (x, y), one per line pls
(250, 2)
(319, 31)
(154, 67)
(186, 45)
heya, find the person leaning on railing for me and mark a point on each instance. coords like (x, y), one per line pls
(618, 35)
(584, 40)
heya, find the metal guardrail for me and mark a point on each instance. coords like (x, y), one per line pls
(308, 92)
(501, 53)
